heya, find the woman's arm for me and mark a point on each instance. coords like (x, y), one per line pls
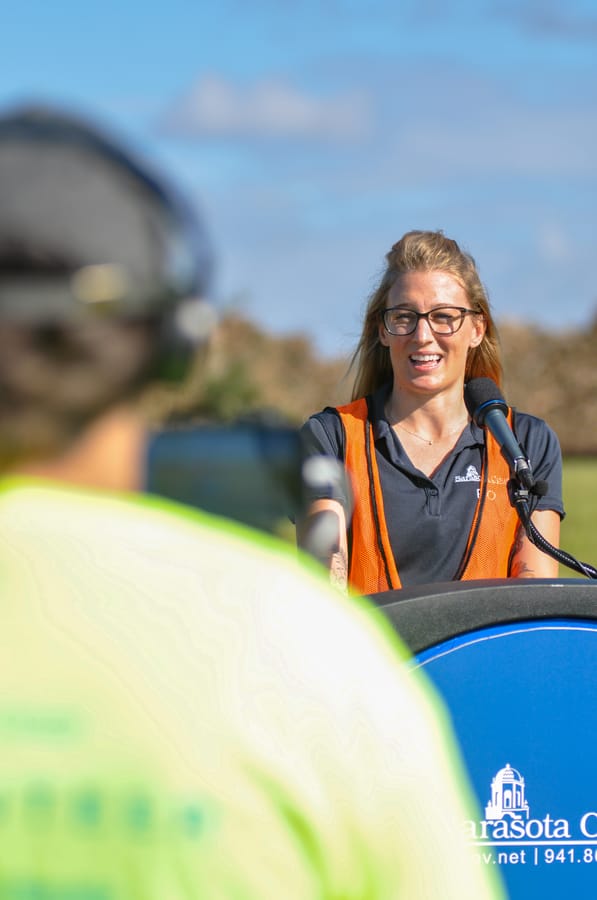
(322, 533)
(529, 561)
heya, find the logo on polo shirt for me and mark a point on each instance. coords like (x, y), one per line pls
(471, 475)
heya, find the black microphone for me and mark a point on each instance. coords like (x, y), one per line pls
(488, 409)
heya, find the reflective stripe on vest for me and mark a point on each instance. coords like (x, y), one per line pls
(372, 567)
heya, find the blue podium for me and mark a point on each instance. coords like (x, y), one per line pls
(516, 664)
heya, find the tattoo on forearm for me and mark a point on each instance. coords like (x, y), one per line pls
(520, 568)
(339, 570)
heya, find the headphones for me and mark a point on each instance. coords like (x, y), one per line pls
(87, 231)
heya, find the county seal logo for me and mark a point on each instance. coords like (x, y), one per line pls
(509, 835)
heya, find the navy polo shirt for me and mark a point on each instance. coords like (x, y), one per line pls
(429, 519)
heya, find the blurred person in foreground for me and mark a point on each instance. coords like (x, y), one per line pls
(186, 710)
(431, 496)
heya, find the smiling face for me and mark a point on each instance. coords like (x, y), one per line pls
(425, 362)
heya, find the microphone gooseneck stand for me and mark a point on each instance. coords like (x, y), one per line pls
(524, 500)
(488, 409)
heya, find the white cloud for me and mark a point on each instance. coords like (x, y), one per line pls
(217, 107)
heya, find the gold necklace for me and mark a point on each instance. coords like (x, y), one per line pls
(426, 440)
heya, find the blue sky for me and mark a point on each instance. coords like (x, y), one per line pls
(312, 135)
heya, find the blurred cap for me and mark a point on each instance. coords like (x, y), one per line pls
(86, 229)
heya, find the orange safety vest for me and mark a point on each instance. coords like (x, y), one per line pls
(372, 566)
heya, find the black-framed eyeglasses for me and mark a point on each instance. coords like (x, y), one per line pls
(442, 319)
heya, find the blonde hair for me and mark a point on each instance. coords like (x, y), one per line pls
(424, 251)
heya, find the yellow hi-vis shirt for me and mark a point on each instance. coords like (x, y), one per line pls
(187, 714)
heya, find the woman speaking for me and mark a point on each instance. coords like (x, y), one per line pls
(430, 487)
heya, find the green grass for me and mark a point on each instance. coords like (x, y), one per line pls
(579, 528)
